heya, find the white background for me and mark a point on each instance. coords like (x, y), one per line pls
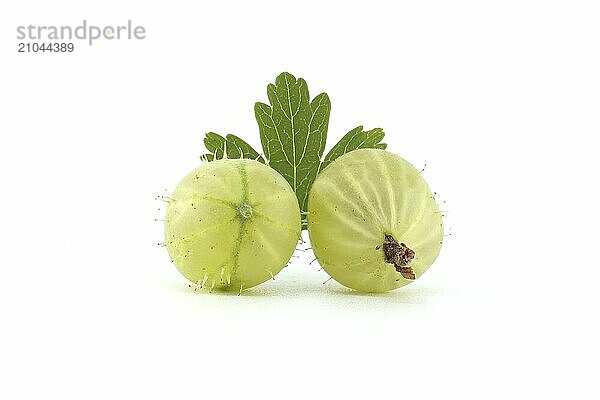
(500, 99)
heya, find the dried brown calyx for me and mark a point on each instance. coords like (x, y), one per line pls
(399, 255)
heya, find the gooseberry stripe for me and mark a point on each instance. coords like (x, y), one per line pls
(242, 221)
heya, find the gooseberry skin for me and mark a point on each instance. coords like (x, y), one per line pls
(357, 200)
(232, 224)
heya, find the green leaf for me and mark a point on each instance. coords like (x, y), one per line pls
(231, 145)
(357, 138)
(293, 131)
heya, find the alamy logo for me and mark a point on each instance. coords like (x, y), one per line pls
(87, 32)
